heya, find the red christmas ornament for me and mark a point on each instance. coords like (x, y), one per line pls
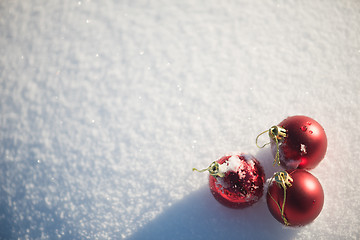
(295, 197)
(236, 181)
(298, 142)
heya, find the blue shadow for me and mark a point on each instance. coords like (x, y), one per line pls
(200, 216)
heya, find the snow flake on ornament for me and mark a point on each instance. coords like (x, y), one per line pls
(221, 184)
(303, 149)
(233, 164)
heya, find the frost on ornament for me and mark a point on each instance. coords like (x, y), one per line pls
(303, 149)
(236, 181)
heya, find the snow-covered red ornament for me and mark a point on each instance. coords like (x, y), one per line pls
(236, 181)
(298, 142)
(295, 197)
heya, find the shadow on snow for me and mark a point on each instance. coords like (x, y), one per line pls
(200, 216)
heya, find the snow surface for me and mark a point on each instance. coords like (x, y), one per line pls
(106, 106)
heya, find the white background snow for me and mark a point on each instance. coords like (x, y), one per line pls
(106, 106)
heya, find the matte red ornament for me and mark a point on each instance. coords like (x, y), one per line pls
(239, 182)
(303, 145)
(303, 194)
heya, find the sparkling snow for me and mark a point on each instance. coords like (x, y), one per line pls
(106, 106)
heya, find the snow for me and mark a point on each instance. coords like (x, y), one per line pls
(106, 106)
(233, 164)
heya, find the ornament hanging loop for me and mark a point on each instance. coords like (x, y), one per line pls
(277, 134)
(274, 132)
(214, 170)
(284, 180)
(257, 138)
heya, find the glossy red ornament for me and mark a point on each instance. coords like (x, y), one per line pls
(241, 181)
(304, 145)
(304, 198)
